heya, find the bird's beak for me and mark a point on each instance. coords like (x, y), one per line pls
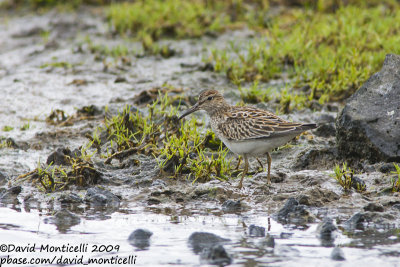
(194, 108)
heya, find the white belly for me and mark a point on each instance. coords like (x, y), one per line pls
(256, 146)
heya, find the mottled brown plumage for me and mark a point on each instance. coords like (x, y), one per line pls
(246, 131)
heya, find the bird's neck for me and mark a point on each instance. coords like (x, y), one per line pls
(219, 110)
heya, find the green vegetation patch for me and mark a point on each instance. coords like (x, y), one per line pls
(396, 180)
(77, 169)
(345, 177)
(180, 147)
(323, 56)
(179, 18)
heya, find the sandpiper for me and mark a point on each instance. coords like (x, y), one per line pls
(246, 131)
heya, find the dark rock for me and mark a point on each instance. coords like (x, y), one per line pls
(358, 184)
(153, 201)
(101, 197)
(325, 232)
(293, 212)
(140, 238)
(70, 198)
(231, 206)
(256, 231)
(200, 240)
(15, 190)
(60, 156)
(374, 207)
(215, 255)
(355, 222)
(64, 220)
(337, 254)
(10, 195)
(369, 127)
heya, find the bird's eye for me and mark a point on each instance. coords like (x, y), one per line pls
(209, 98)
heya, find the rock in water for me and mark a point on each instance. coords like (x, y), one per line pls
(215, 255)
(369, 125)
(325, 232)
(200, 240)
(140, 238)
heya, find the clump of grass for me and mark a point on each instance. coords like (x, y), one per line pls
(180, 148)
(345, 177)
(180, 18)
(5, 143)
(7, 128)
(396, 181)
(59, 64)
(78, 170)
(330, 53)
(25, 127)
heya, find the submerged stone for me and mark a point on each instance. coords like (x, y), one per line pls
(140, 238)
(369, 127)
(325, 232)
(356, 222)
(200, 240)
(64, 220)
(215, 255)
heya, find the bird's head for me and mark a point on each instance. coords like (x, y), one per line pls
(209, 100)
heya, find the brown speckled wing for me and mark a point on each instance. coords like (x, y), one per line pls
(250, 123)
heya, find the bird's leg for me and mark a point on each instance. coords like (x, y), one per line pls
(239, 161)
(269, 160)
(246, 167)
(259, 162)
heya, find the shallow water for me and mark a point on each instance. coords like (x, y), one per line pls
(169, 242)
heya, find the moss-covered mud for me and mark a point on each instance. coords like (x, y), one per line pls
(66, 82)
